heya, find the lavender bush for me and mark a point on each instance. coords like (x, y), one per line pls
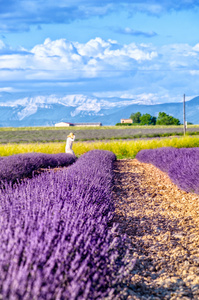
(56, 241)
(182, 165)
(184, 171)
(160, 157)
(17, 166)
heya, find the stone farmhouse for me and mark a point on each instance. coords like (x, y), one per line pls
(126, 121)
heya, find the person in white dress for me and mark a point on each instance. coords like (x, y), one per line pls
(69, 143)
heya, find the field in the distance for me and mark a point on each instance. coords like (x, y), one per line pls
(54, 134)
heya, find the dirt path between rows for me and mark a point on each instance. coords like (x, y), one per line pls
(162, 223)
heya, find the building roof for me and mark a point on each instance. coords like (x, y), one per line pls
(64, 123)
(80, 124)
(88, 123)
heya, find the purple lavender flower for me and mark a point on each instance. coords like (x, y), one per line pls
(184, 171)
(182, 165)
(160, 157)
(17, 166)
(56, 241)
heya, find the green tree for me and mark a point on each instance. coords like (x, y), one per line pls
(164, 119)
(147, 119)
(135, 117)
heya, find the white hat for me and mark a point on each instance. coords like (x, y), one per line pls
(71, 135)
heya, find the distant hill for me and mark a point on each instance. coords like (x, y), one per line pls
(173, 109)
(41, 110)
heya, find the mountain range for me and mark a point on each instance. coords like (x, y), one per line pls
(19, 110)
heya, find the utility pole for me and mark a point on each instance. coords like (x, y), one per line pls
(184, 115)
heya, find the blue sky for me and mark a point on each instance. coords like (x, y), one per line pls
(144, 51)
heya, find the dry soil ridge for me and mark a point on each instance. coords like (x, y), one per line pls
(162, 223)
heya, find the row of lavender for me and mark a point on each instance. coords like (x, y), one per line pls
(56, 241)
(16, 167)
(182, 165)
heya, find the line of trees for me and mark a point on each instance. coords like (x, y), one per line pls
(147, 119)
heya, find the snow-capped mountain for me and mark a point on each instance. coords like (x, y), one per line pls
(46, 110)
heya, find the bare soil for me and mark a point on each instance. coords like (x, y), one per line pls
(162, 224)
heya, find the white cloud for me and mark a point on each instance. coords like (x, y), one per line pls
(64, 60)
(7, 89)
(104, 66)
(92, 48)
(196, 47)
(104, 50)
(14, 61)
(133, 32)
(194, 72)
(19, 15)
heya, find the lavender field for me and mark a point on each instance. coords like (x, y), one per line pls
(182, 165)
(56, 238)
(50, 134)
